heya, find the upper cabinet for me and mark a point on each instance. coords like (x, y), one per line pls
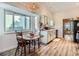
(51, 23)
(67, 27)
(47, 22)
(44, 20)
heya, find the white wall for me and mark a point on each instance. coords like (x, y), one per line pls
(8, 41)
(59, 16)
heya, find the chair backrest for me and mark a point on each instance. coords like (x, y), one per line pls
(19, 34)
(19, 37)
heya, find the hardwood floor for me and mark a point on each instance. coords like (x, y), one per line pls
(55, 48)
(59, 48)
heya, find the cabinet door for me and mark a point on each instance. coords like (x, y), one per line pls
(54, 34)
(49, 36)
(44, 38)
(68, 26)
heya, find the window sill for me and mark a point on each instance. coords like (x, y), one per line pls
(13, 32)
(9, 32)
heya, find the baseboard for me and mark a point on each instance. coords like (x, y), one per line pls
(6, 49)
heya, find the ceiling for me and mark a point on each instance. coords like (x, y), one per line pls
(50, 6)
(60, 6)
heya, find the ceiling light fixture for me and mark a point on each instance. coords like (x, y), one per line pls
(32, 7)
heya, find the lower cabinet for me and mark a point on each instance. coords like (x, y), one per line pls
(48, 35)
(69, 37)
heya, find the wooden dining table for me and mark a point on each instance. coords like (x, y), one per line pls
(32, 39)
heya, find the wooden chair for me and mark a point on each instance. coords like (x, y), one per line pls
(21, 47)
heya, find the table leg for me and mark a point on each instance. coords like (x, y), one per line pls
(29, 46)
(38, 43)
(25, 50)
(32, 42)
(34, 45)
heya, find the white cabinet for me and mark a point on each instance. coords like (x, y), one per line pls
(68, 37)
(48, 35)
(44, 38)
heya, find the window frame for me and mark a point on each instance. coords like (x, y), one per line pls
(26, 23)
(5, 21)
(13, 13)
(14, 20)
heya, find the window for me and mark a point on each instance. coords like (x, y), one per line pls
(36, 23)
(28, 22)
(15, 21)
(19, 22)
(8, 21)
